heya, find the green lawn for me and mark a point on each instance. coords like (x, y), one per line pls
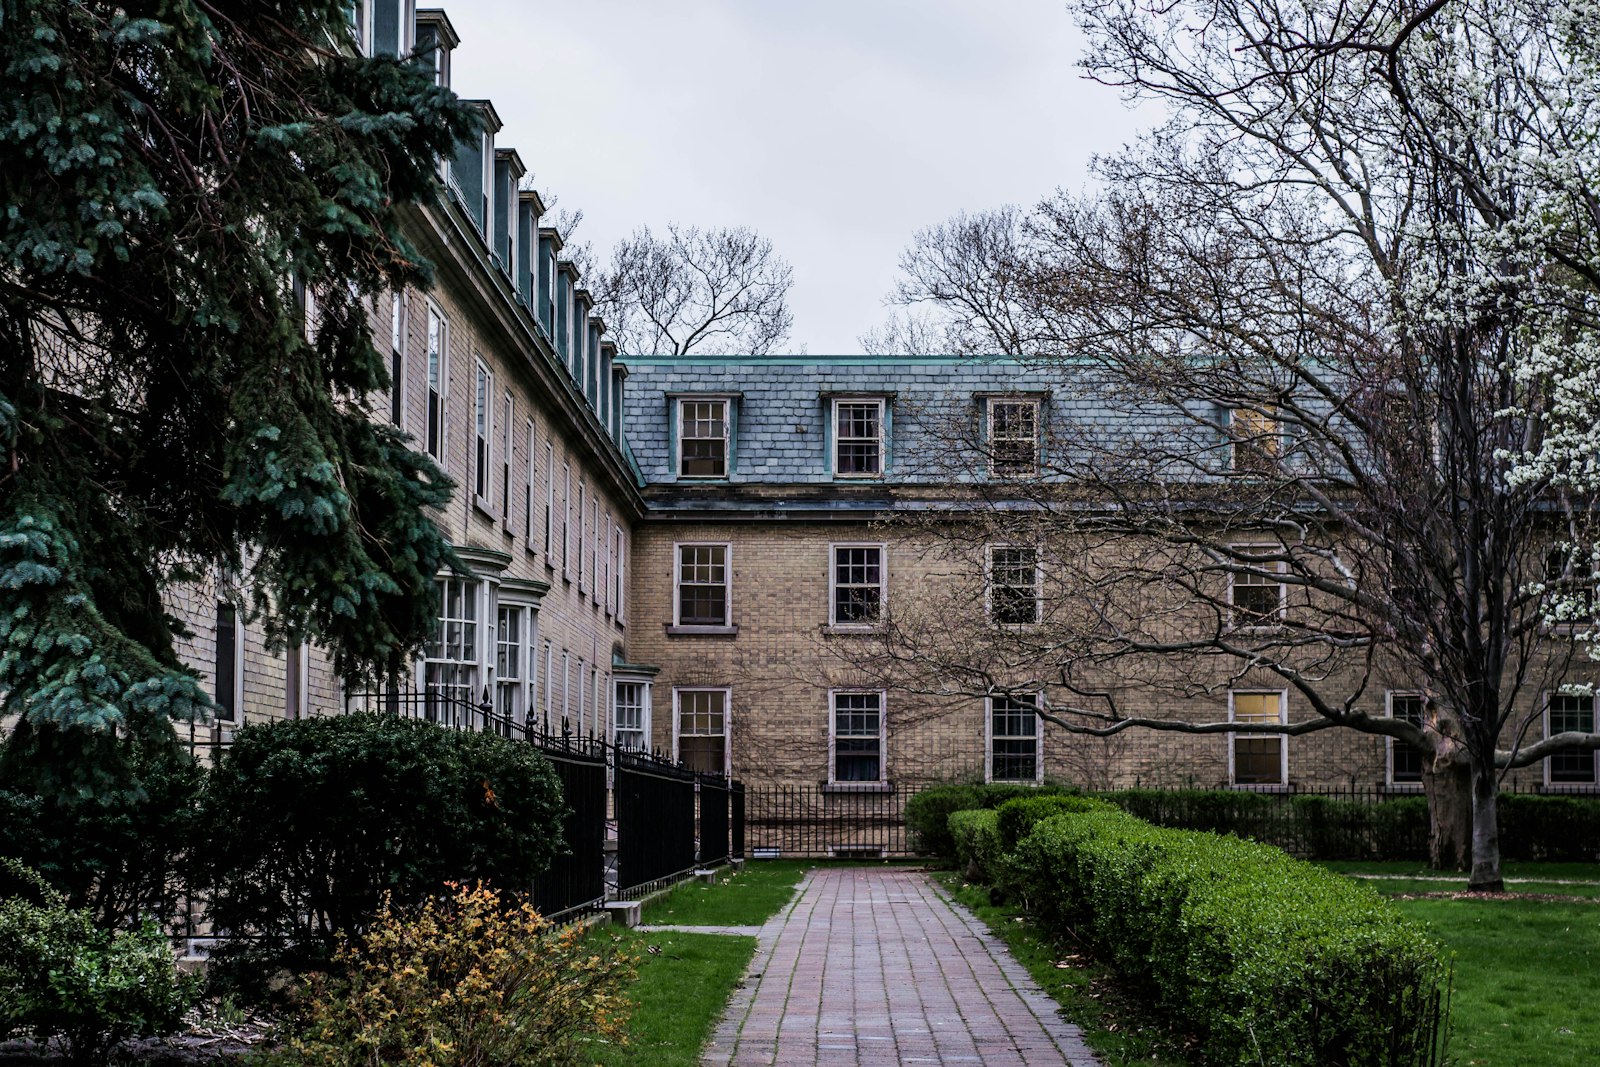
(678, 997)
(1115, 1025)
(1527, 973)
(748, 898)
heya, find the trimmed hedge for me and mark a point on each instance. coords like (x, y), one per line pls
(1263, 958)
(928, 812)
(1549, 828)
(976, 838)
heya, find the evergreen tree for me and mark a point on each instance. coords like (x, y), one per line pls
(177, 176)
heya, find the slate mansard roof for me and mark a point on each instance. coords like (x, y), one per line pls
(781, 432)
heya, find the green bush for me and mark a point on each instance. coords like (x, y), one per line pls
(310, 823)
(1263, 958)
(928, 812)
(1549, 828)
(113, 843)
(61, 976)
(1017, 817)
(1312, 827)
(977, 843)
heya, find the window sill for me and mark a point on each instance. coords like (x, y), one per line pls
(702, 631)
(836, 630)
(858, 787)
(1578, 788)
(1402, 788)
(1263, 787)
(482, 507)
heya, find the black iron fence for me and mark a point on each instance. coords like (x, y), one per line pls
(716, 796)
(655, 821)
(819, 821)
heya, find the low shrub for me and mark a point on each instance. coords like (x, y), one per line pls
(311, 823)
(1263, 958)
(975, 832)
(1017, 817)
(63, 977)
(115, 846)
(1549, 828)
(928, 812)
(1311, 827)
(470, 980)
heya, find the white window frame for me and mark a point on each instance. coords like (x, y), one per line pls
(833, 736)
(833, 584)
(438, 383)
(881, 440)
(482, 435)
(989, 739)
(549, 498)
(361, 12)
(508, 418)
(517, 683)
(1391, 743)
(1247, 550)
(399, 309)
(994, 440)
(566, 521)
(602, 552)
(727, 721)
(621, 576)
(583, 514)
(643, 706)
(1594, 756)
(677, 581)
(682, 404)
(469, 664)
(1282, 739)
(549, 673)
(989, 584)
(530, 489)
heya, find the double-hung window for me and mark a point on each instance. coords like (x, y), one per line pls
(549, 495)
(481, 418)
(702, 585)
(856, 580)
(702, 729)
(1565, 712)
(1256, 588)
(397, 356)
(858, 438)
(450, 661)
(438, 340)
(632, 716)
(703, 438)
(510, 666)
(527, 490)
(1405, 762)
(1014, 738)
(1257, 759)
(857, 736)
(1013, 437)
(507, 418)
(1014, 585)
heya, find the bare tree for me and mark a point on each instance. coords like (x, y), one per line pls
(963, 290)
(1300, 321)
(692, 290)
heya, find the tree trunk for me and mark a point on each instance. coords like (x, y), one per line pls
(1447, 783)
(1485, 877)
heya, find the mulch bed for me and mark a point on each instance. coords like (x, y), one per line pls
(206, 1041)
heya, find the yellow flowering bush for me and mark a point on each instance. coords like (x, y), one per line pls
(471, 980)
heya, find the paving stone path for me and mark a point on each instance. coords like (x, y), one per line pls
(875, 966)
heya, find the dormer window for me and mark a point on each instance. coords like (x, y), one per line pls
(858, 438)
(361, 25)
(1256, 437)
(703, 437)
(1013, 436)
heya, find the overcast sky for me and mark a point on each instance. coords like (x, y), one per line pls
(835, 127)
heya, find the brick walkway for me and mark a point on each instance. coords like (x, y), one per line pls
(875, 966)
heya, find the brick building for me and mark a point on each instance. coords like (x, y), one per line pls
(686, 553)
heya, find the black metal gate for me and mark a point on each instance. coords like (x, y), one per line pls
(715, 797)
